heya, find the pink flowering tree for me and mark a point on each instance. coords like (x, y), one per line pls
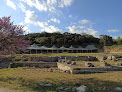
(11, 37)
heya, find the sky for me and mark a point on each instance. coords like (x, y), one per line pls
(94, 17)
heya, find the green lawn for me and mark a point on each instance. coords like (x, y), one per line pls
(19, 56)
(72, 54)
(29, 79)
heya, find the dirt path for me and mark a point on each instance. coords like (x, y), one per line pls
(9, 90)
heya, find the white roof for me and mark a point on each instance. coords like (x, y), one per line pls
(91, 47)
(81, 48)
(71, 47)
(63, 48)
(54, 48)
(34, 46)
(44, 47)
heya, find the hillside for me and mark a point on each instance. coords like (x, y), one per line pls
(113, 49)
(58, 39)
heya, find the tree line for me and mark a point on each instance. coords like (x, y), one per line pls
(67, 39)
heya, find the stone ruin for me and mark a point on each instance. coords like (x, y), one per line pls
(101, 58)
(119, 64)
(107, 57)
(40, 58)
(77, 58)
(112, 57)
(104, 64)
(64, 60)
(68, 59)
(88, 64)
(87, 59)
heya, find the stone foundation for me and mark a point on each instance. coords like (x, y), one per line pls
(43, 58)
(64, 67)
(67, 67)
(56, 58)
(34, 64)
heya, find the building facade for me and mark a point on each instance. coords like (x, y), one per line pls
(34, 49)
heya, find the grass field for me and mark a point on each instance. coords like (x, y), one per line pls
(72, 54)
(28, 80)
(19, 56)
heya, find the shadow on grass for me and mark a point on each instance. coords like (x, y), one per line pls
(93, 85)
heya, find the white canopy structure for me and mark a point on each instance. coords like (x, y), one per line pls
(71, 47)
(34, 46)
(43, 49)
(91, 47)
(63, 48)
(54, 47)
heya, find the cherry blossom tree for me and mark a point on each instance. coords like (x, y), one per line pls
(11, 37)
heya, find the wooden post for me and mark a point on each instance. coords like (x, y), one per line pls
(36, 51)
(41, 51)
(30, 51)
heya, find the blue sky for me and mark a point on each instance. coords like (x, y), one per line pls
(94, 17)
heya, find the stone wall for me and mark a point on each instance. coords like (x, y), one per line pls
(80, 58)
(64, 67)
(94, 70)
(101, 58)
(4, 65)
(67, 67)
(56, 58)
(77, 58)
(34, 64)
(6, 59)
(43, 58)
